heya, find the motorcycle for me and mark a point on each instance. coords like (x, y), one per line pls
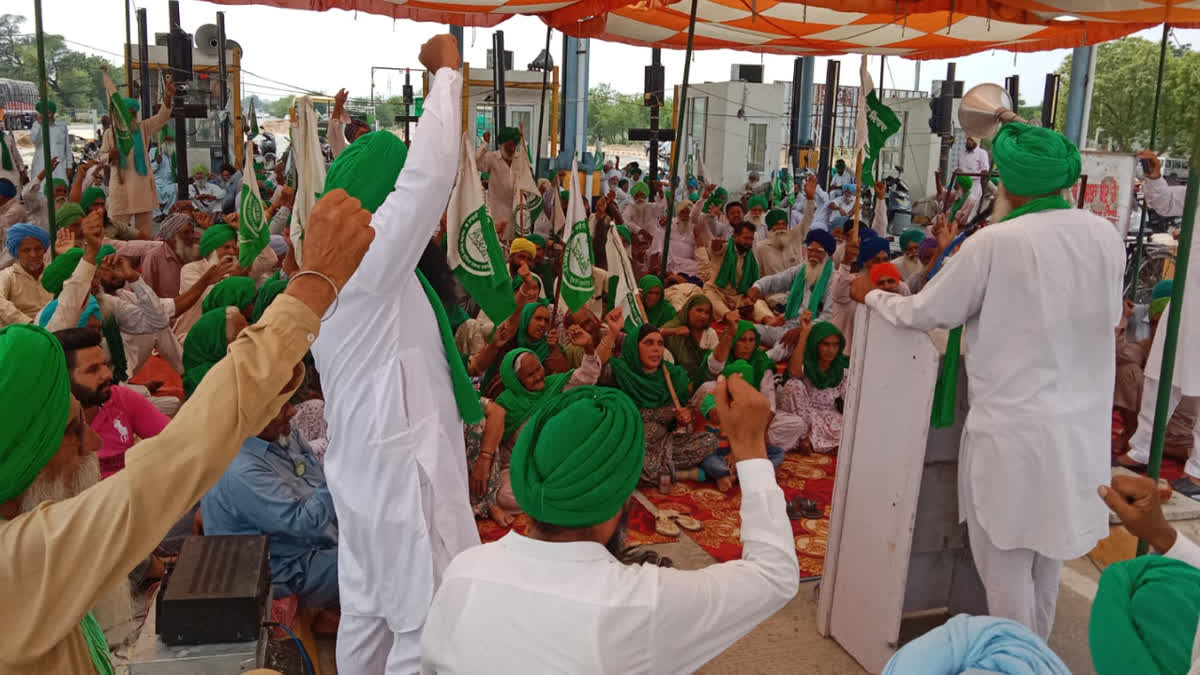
(899, 204)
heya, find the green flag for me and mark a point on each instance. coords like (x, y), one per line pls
(253, 233)
(121, 116)
(472, 247)
(253, 117)
(875, 124)
(578, 285)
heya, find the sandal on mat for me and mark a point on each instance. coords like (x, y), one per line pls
(803, 507)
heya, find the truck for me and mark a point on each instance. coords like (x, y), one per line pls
(17, 100)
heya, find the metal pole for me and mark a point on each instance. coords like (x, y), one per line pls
(1137, 251)
(1077, 91)
(794, 132)
(1162, 409)
(143, 61)
(542, 108)
(807, 75)
(499, 109)
(43, 91)
(181, 144)
(128, 51)
(224, 83)
(652, 170)
(687, 71)
(948, 125)
(832, 69)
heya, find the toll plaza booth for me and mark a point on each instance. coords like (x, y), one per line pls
(898, 560)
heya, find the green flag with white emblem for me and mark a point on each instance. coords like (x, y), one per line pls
(253, 233)
(578, 285)
(472, 247)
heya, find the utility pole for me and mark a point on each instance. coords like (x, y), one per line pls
(499, 108)
(653, 97)
(794, 134)
(143, 61)
(832, 70)
(179, 43)
(224, 79)
(946, 100)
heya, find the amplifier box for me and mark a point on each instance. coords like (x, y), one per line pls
(217, 591)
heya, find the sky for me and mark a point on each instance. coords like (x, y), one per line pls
(286, 51)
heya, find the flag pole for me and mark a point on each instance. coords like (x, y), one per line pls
(857, 192)
(679, 122)
(48, 179)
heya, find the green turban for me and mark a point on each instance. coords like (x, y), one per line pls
(742, 368)
(911, 237)
(640, 189)
(266, 295)
(721, 193)
(368, 168)
(59, 183)
(105, 251)
(215, 237)
(230, 292)
(776, 216)
(707, 404)
(89, 197)
(537, 239)
(1034, 161)
(1144, 617)
(578, 460)
(508, 134)
(199, 168)
(964, 182)
(204, 346)
(41, 107)
(67, 215)
(756, 202)
(35, 393)
(60, 269)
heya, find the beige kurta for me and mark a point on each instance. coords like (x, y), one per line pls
(129, 192)
(502, 184)
(62, 558)
(189, 274)
(21, 296)
(727, 299)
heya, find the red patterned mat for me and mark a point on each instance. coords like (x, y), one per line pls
(800, 476)
(640, 530)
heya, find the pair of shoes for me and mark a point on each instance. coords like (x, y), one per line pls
(1186, 487)
(641, 556)
(803, 507)
(668, 522)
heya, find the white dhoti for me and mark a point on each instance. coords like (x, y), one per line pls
(1139, 445)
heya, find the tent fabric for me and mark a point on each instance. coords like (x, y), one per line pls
(924, 29)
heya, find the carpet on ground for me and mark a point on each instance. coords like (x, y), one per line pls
(640, 530)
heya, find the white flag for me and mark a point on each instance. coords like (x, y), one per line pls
(527, 201)
(861, 133)
(472, 246)
(578, 284)
(627, 286)
(310, 169)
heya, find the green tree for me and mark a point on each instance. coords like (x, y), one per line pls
(73, 77)
(1123, 95)
(612, 114)
(386, 111)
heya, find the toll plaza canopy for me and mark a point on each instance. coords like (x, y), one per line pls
(927, 29)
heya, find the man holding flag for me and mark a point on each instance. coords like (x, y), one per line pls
(472, 248)
(503, 177)
(132, 196)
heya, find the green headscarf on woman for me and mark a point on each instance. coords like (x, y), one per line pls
(824, 379)
(540, 347)
(648, 390)
(660, 313)
(687, 352)
(759, 361)
(204, 346)
(520, 403)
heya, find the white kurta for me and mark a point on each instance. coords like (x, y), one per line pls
(395, 435)
(1167, 201)
(973, 161)
(1040, 296)
(60, 147)
(502, 187)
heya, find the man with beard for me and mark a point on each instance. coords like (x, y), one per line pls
(69, 218)
(574, 469)
(68, 540)
(973, 159)
(730, 274)
(755, 215)
(21, 292)
(839, 177)
(132, 194)
(866, 252)
(218, 245)
(909, 262)
(784, 247)
(399, 481)
(161, 267)
(644, 215)
(795, 288)
(117, 414)
(502, 182)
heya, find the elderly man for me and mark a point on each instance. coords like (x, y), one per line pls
(1185, 384)
(564, 575)
(756, 213)
(203, 191)
(21, 292)
(410, 457)
(118, 414)
(181, 245)
(60, 141)
(1035, 446)
(218, 245)
(644, 215)
(973, 159)
(865, 252)
(34, 197)
(69, 216)
(275, 486)
(54, 514)
(784, 247)
(909, 262)
(806, 286)
(502, 181)
(132, 195)
(94, 199)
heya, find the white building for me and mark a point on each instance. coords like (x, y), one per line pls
(523, 94)
(736, 127)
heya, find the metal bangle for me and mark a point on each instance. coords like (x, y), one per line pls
(336, 292)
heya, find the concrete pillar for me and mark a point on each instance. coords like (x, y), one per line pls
(1079, 94)
(808, 69)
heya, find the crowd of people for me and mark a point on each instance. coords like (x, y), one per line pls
(363, 411)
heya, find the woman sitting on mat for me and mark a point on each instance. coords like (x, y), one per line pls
(818, 377)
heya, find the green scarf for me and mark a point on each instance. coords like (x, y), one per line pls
(203, 347)
(759, 361)
(5, 154)
(966, 184)
(230, 292)
(648, 390)
(945, 392)
(540, 347)
(579, 459)
(97, 644)
(465, 394)
(520, 403)
(687, 352)
(815, 300)
(1144, 617)
(812, 369)
(725, 277)
(659, 314)
(270, 290)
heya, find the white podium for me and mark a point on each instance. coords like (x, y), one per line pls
(895, 544)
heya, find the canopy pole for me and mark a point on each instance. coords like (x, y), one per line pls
(1162, 408)
(47, 156)
(1137, 251)
(679, 121)
(542, 108)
